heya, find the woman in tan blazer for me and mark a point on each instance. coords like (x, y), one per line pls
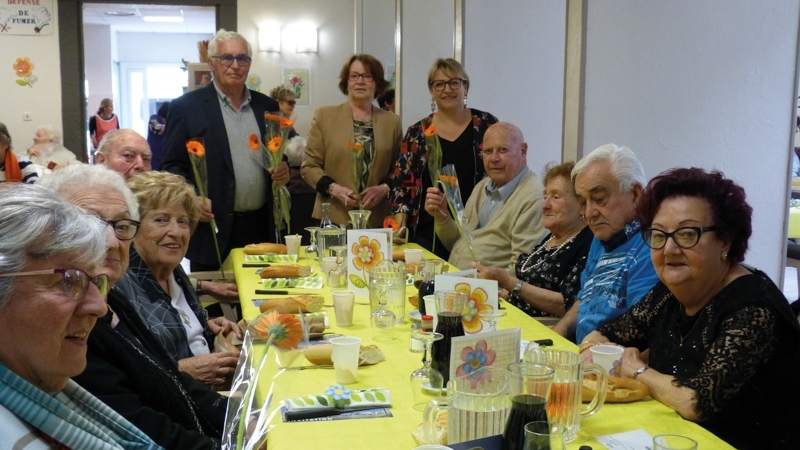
(327, 166)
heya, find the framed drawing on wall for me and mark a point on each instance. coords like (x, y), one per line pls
(299, 78)
(199, 75)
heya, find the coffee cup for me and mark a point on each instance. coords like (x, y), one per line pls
(609, 357)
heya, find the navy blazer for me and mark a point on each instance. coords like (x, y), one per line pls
(198, 114)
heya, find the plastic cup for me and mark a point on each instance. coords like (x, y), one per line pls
(609, 357)
(293, 244)
(430, 308)
(343, 302)
(413, 255)
(345, 358)
(673, 442)
(328, 264)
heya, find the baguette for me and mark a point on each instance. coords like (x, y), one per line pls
(290, 305)
(264, 248)
(288, 271)
(320, 355)
(620, 390)
(418, 433)
(398, 254)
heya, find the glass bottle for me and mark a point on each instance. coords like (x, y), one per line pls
(449, 311)
(433, 267)
(329, 235)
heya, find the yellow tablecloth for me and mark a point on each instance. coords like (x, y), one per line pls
(393, 374)
(794, 222)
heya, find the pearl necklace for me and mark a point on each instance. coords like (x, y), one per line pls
(543, 250)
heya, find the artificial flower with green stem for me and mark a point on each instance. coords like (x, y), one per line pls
(197, 156)
(434, 162)
(278, 129)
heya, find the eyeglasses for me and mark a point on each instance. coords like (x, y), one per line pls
(355, 76)
(684, 237)
(439, 85)
(124, 229)
(489, 152)
(75, 283)
(227, 60)
(290, 102)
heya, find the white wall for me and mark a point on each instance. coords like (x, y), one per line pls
(335, 21)
(524, 86)
(43, 99)
(159, 47)
(375, 30)
(98, 57)
(707, 84)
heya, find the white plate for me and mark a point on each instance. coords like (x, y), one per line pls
(414, 315)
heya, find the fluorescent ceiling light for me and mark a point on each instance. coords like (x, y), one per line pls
(162, 19)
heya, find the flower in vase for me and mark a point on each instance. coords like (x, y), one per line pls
(476, 302)
(366, 254)
(475, 359)
(283, 330)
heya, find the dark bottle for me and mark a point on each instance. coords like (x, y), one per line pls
(433, 267)
(450, 326)
(525, 408)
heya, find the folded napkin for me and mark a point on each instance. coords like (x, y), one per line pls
(270, 258)
(312, 282)
(337, 397)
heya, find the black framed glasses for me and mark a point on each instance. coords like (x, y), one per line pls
(75, 283)
(684, 237)
(438, 85)
(124, 229)
(354, 76)
(227, 60)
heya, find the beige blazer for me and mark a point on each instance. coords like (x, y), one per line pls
(327, 154)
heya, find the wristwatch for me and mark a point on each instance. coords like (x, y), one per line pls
(640, 371)
(515, 292)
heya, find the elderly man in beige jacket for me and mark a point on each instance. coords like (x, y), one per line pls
(504, 212)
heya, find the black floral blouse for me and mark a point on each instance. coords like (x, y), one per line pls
(555, 269)
(740, 354)
(409, 180)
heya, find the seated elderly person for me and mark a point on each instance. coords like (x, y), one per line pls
(51, 296)
(128, 368)
(504, 213)
(548, 279)
(47, 152)
(14, 168)
(723, 344)
(170, 307)
(609, 182)
(126, 152)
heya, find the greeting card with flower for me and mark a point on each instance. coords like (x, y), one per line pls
(471, 354)
(481, 296)
(365, 250)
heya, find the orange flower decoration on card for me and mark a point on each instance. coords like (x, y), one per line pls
(476, 302)
(283, 330)
(23, 67)
(274, 144)
(253, 142)
(286, 123)
(430, 131)
(388, 222)
(366, 254)
(196, 148)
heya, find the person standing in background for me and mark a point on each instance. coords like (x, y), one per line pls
(104, 121)
(155, 134)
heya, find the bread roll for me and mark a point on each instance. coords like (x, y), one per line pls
(264, 248)
(418, 433)
(398, 254)
(620, 390)
(290, 305)
(321, 355)
(287, 271)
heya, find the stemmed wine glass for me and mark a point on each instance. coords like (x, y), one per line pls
(312, 248)
(338, 276)
(491, 316)
(426, 382)
(382, 320)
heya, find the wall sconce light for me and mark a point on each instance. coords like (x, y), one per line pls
(306, 36)
(269, 38)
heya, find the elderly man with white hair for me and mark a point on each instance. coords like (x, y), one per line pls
(125, 152)
(47, 152)
(609, 182)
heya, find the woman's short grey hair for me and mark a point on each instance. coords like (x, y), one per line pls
(36, 224)
(224, 35)
(50, 133)
(279, 93)
(87, 176)
(625, 166)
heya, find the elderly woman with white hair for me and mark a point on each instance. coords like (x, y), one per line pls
(47, 152)
(127, 367)
(14, 168)
(52, 292)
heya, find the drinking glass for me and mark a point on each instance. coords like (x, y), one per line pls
(311, 250)
(426, 382)
(541, 435)
(382, 320)
(529, 388)
(673, 442)
(338, 276)
(491, 316)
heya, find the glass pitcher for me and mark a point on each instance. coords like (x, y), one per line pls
(529, 389)
(395, 275)
(433, 267)
(329, 235)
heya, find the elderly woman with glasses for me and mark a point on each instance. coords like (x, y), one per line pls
(714, 340)
(127, 367)
(52, 292)
(459, 131)
(354, 131)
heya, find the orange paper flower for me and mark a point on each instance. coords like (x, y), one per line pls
(274, 144)
(476, 302)
(286, 123)
(430, 131)
(284, 330)
(23, 67)
(274, 117)
(196, 148)
(253, 142)
(388, 222)
(451, 180)
(367, 254)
